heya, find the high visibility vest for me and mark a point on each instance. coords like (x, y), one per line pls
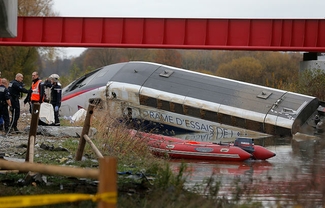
(35, 96)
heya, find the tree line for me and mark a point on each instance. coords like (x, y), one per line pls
(279, 70)
(272, 69)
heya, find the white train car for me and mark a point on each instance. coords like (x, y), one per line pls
(196, 102)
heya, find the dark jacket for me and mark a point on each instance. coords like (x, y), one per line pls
(56, 94)
(4, 95)
(16, 88)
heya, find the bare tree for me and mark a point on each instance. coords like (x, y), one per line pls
(24, 60)
(35, 8)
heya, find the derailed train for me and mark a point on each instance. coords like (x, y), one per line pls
(191, 101)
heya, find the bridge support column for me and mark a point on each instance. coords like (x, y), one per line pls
(310, 56)
(312, 60)
(8, 18)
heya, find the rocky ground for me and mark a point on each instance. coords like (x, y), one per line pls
(10, 141)
(14, 145)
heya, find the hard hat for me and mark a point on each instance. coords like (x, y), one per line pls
(54, 77)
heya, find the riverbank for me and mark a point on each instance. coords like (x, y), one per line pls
(141, 176)
(147, 181)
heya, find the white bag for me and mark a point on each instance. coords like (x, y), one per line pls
(80, 114)
(46, 114)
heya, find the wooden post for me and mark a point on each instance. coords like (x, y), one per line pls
(31, 154)
(93, 146)
(31, 149)
(85, 130)
(107, 179)
(33, 127)
(50, 169)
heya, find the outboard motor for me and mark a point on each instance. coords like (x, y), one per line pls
(245, 144)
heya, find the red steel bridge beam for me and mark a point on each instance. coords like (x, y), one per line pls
(222, 34)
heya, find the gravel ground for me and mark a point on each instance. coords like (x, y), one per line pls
(11, 144)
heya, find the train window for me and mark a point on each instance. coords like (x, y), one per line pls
(81, 81)
(269, 128)
(148, 101)
(162, 104)
(225, 119)
(177, 108)
(210, 115)
(77, 84)
(282, 131)
(101, 73)
(254, 125)
(192, 111)
(240, 122)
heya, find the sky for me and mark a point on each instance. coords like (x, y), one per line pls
(314, 9)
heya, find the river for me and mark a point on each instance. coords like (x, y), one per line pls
(294, 176)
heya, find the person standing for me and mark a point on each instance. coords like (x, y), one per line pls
(36, 93)
(16, 88)
(56, 95)
(4, 102)
(47, 90)
(1, 118)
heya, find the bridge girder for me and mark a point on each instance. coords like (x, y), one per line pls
(221, 34)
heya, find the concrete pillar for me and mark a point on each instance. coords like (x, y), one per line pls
(312, 60)
(8, 18)
(310, 56)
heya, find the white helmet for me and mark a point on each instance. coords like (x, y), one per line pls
(54, 77)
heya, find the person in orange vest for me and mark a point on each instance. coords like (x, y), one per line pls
(36, 93)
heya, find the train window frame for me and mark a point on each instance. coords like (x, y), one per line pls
(79, 82)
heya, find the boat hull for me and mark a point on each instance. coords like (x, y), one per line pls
(184, 149)
(261, 153)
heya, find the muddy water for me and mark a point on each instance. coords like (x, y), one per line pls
(294, 176)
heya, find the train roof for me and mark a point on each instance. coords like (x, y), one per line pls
(208, 88)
